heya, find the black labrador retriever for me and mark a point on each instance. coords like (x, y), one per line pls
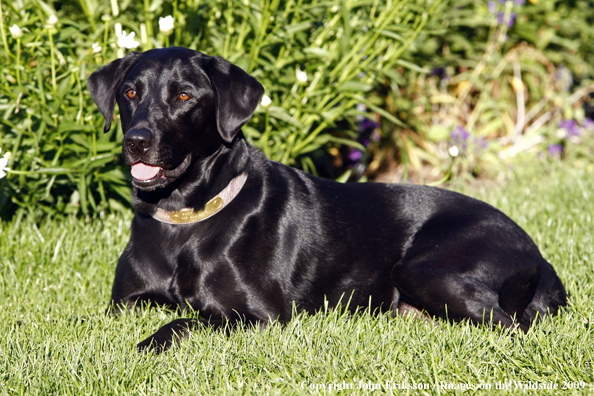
(241, 239)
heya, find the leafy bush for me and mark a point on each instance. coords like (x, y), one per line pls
(60, 163)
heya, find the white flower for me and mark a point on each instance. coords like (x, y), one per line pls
(454, 151)
(166, 24)
(301, 76)
(266, 101)
(16, 31)
(127, 40)
(52, 20)
(561, 133)
(3, 164)
(96, 48)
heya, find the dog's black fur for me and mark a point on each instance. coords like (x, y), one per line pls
(290, 238)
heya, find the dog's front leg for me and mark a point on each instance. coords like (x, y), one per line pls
(162, 339)
(174, 332)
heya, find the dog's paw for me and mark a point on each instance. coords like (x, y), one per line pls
(154, 344)
(163, 339)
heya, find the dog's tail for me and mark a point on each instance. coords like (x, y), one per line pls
(531, 293)
(518, 291)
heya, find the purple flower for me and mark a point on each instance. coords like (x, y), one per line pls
(492, 7)
(555, 149)
(500, 16)
(588, 124)
(459, 134)
(367, 125)
(571, 127)
(355, 155)
(566, 124)
(460, 137)
(376, 136)
(439, 72)
(512, 18)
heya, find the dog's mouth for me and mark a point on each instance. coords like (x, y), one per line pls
(149, 177)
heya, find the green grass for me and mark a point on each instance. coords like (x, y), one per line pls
(63, 269)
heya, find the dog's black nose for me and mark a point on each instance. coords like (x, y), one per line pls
(138, 141)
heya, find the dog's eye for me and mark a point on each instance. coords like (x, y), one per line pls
(131, 93)
(184, 96)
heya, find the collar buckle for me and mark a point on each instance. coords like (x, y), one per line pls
(212, 207)
(188, 215)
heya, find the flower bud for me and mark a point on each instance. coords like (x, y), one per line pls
(301, 76)
(454, 151)
(52, 20)
(16, 31)
(266, 101)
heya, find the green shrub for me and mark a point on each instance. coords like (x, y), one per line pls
(61, 163)
(506, 72)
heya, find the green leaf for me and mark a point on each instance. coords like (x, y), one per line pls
(320, 52)
(73, 126)
(46, 8)
(281, 114)
(380, 111)
(412, 66)
(80, 139)
(298, 27)
(345, 176)
(355, 86)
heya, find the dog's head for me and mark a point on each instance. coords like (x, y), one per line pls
(176, 106)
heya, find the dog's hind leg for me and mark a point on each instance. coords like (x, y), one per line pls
(518, 290)
(549, 297)
(452, 296)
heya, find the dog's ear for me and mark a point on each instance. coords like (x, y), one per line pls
(103, 85)
(237, 95)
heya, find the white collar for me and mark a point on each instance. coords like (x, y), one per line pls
(212, 207)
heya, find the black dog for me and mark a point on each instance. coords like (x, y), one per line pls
(239, 238)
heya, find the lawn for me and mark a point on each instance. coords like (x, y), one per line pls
(60, 270)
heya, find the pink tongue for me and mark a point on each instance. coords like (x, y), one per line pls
(142, 171)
